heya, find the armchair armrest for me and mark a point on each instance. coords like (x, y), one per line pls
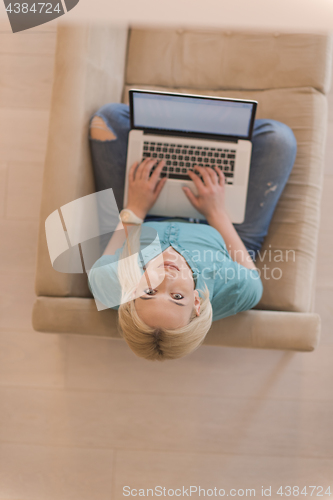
(89, 71)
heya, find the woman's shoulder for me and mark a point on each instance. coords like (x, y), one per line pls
(236, 289)
(103, 282)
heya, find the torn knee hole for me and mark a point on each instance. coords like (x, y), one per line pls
(100, 131)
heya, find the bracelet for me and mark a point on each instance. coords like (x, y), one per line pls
(129, 217)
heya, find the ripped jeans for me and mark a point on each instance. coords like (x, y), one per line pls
(273, 155)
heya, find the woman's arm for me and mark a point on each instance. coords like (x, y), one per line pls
(210, 202)
(235, 246)
(143, 192)
(116, 240)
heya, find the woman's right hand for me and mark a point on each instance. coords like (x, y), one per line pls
(211, 191)
(143, 188)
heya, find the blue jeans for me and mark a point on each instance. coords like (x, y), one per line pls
(273, 155)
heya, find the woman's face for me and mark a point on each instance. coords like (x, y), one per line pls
(165, 296)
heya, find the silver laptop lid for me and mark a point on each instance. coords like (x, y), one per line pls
(192, 115)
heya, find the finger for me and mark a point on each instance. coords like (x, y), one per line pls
(132, 171)
(213, 175)
(193, 199)
(156, 174)
(220, 176)
(142, 166)
(196, 179)
(205, 175)
(148, 168)
(159, 187)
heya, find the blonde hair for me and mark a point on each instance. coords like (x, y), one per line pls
(145, 341)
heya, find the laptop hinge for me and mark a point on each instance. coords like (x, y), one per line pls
(188, 135)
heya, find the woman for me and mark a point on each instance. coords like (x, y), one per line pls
(198, 273)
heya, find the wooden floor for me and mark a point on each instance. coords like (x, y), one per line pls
(80, 418)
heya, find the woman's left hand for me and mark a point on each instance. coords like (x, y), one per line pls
(143, 190)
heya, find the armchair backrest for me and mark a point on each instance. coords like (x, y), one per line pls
(226, 60)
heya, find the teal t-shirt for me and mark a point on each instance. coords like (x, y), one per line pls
(232, 287)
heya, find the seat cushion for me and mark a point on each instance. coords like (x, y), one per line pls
(288, 255)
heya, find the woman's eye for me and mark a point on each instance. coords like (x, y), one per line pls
(177, 296)
(149, 291)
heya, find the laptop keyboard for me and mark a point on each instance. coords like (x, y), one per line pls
(179, 159)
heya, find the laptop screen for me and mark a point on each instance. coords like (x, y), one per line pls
(192, 114)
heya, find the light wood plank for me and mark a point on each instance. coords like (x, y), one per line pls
(109, 365)
(5, 25)
(3, 188)
(139, 469)
(49, 27)
(40, 473)
(24, 190)
(18, 246)
(28, 43)
(23, 134)
(26, 80)
(203, 424)
(32, 359)
(17, 297)
(324, 307)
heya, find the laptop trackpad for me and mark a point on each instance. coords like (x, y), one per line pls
(177, 202)
(172, 202)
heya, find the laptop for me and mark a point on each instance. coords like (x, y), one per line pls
(187, 130)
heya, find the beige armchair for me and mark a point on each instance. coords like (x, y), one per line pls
(288, 74)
